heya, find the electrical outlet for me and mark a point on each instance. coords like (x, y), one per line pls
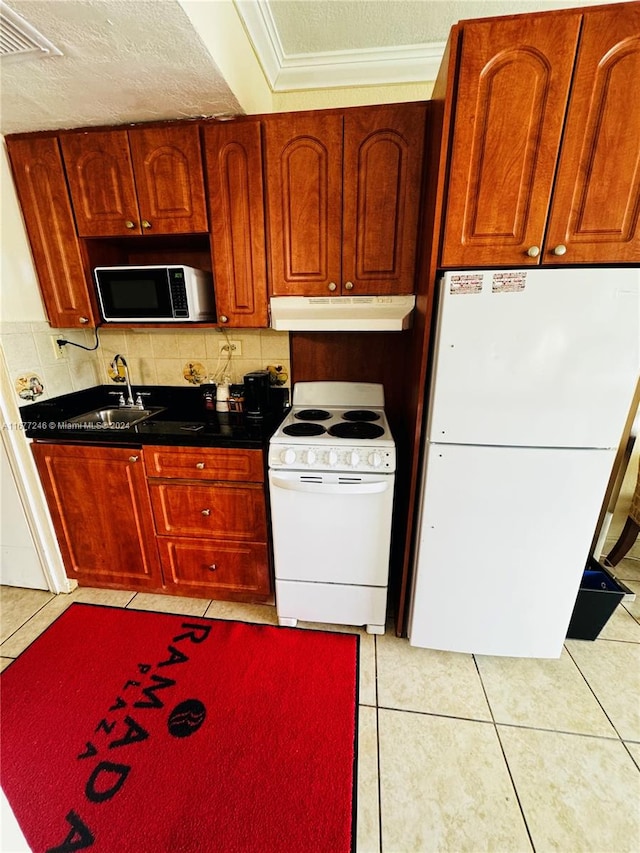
(235, 347)
(59, 352)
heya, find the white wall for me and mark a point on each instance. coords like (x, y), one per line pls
(221, 29)
(30, 556)
(318, 99)
(19, 293)
(19, 560)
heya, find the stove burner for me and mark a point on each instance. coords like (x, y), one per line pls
(313, 415)
(304, 429)
(361, 415)
(355, 430)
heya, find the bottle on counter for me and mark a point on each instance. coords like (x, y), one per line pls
(222, 397)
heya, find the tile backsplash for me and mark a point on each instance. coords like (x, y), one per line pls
(29, 353)
(165, 357)
(154, 356)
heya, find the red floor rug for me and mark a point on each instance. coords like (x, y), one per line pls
(129, 731)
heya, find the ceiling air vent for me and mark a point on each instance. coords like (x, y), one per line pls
(19, 40)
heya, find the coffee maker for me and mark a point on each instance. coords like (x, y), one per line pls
(257, 394)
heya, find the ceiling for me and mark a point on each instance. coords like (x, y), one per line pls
(128, 61)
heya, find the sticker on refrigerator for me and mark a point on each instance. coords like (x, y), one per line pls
(509, 282)
(466, 283)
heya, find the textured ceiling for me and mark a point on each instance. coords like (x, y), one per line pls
(124, 61)
(142, 60)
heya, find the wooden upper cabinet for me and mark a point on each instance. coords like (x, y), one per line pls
(101, 183)
(167, 163)
(595, 213)
(343, 199)
(304, 202)
(233, 156)
(383, 148)
(139, 181)
(512, 92)
(42, 191)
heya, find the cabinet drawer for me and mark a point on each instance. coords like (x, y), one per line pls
(221, 511)
(210, 567)
(207, 463)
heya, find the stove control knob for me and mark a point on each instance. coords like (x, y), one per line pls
(288, 456)
(354, 458)
(310, 457)
(332, 457)
(375, 460)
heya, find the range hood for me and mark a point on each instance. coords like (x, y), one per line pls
(341, 313)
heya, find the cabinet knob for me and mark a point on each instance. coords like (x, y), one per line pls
(533, 251)
(348, 285)
(212, 567)
(223, 318)
(200, 465)
(133, 458)
(129, 224)
(560, 249)
(332, 285)
(206, 512)
(146, 223)
(83, 320)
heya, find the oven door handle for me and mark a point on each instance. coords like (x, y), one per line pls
(332, 488)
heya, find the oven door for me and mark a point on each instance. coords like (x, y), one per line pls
(134, 293)
(331, 527)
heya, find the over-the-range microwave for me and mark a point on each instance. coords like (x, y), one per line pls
(146, 294)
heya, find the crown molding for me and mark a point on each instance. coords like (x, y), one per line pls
(415, 63)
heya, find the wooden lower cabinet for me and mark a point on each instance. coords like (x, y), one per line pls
(210, 517)
(119, 528)
(99, 504)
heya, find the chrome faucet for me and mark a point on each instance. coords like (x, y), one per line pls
(114, 366)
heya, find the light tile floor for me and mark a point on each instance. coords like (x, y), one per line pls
(461, 752)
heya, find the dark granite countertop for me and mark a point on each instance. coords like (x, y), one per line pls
(183, 421)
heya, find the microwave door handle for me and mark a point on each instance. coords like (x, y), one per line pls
(377, 487)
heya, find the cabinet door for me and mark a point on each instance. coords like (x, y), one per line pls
(100, 176)
(221, 511)
(100, 507)
(167, 163)
(383, 149)
(42, 191)
(304, 203)
(596, 202)
(511, 100)
(233, 155)
(233, 571)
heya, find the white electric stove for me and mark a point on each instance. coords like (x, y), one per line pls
(331, 484)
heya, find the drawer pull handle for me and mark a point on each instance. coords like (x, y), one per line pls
(206, 512)
(212, 567)
(133, 458)
(200, 465)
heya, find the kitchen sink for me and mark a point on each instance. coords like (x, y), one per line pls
(114, 417)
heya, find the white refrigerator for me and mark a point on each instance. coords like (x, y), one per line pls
(533, 373)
